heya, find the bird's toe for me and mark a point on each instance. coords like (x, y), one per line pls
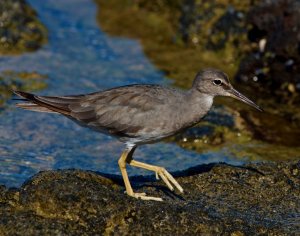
(143, 196)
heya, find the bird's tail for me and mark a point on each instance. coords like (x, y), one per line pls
(45, 104)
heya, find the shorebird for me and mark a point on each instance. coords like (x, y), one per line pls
(139, 114)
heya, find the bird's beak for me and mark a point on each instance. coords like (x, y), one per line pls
(237, 95)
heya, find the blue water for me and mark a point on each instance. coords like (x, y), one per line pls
(79, 58)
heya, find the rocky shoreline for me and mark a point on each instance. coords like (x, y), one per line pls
(219, 199)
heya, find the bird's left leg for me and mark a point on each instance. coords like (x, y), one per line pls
(159, 171)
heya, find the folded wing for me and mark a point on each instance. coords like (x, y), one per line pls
(120, 111)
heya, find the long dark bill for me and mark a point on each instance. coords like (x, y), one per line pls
(237, 95)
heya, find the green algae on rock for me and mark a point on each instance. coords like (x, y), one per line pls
(20, 29)
(28, 81)
(219, 199)
(180, 37)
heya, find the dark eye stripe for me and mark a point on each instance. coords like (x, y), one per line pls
(226, 87)
(217, 82)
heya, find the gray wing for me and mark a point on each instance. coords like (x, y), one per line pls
(130, 111)
(124, 111)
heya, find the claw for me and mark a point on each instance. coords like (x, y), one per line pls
(156, 176)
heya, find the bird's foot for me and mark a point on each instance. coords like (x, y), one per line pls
(143, 196)
(167, 178)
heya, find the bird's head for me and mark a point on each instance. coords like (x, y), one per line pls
(216, 83)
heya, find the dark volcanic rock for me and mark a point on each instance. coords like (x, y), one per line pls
(219, 199)
(273, 64)
(20, 30)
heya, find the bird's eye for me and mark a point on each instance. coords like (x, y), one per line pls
(217, 82)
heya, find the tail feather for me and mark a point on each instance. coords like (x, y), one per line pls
(34, 107)
(45, 103)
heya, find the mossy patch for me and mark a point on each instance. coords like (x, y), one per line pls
(20, 29)
(27, 81)
(158, 27)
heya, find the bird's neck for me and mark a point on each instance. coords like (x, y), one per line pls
(198, 104)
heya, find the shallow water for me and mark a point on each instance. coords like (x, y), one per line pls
(79, 58)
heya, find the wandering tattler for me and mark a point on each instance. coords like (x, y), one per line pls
(140, 114)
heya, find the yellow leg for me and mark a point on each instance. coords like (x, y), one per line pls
(125, 157)
(159, 171)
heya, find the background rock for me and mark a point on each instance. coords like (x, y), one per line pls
(273, 64)
(20, 29)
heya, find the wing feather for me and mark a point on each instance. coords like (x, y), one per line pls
(116, 110)
(122, 111)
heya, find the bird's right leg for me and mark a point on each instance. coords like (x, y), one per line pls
(159, 171)
(127, 155)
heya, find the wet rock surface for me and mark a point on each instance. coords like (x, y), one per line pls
(219, 199)
(20, 29)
